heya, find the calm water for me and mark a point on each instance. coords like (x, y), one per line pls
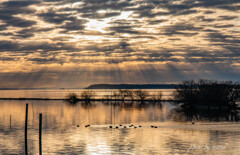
(62, 136)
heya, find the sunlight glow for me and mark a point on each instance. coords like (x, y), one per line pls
(97, 25)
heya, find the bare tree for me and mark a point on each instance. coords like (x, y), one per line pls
(122, 93)
(129, 93)
(87, 95)
(157, 97)
(116, 95)
(107, 97)
(142, 94)
(193, 96)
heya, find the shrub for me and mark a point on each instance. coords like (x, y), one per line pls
(72, 97)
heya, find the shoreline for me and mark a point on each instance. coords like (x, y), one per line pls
(52, 99)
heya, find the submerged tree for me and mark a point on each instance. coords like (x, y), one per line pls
(157, 97)
(142, 94)
(72, 98)
(221, 96)
(186, 94)
(107, 97)
(116, 95)
(87, 95)
(122, 93)
(130, 94)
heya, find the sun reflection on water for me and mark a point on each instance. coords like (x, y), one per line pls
(61, 134)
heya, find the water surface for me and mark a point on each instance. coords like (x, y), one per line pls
(62, 136)
(61, 93)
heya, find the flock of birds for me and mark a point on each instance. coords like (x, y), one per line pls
(130, 126)
(120, 125)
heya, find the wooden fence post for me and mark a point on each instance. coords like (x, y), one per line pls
(26, 124)
(40, 134)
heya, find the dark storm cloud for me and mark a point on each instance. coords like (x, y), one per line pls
(222, 39)
(95, 15)
(204, 19)
(73, 25)
(8, 59)
(19, 3)
(6, 34)
(145, 8)
(152, 22)
(90, 8)
(16, 21)
(225, 4)
(52, 16)
(124, 26)
(123, 29)
(45, 60)
(181, 29)
(45, 47)
(29, 32)
(8, 46)
(109, 48)
(223, 26)
(10, 8)
(95, 5)
(227, 17)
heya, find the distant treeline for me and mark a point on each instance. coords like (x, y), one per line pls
(132, 86)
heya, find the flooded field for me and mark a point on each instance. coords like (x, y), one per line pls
(153, 131)
(61, 93)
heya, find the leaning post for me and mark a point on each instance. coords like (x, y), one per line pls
(26, 124)
(40, 134)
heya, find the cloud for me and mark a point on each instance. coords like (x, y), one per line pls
(19, 3)
(52, 16)
(8, 45)
(73, 25)
(95, 15)
(29, 32)
(139, 38)
(9, 10)
(181, 28)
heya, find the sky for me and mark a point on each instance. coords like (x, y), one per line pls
(75, 43)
